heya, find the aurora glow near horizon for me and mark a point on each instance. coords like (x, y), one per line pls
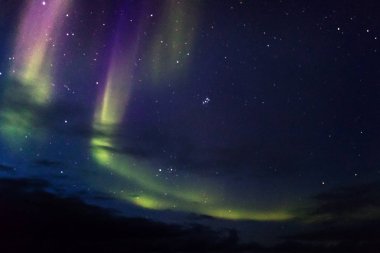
(173, 107)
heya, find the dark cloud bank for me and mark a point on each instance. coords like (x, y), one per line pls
(33, 220)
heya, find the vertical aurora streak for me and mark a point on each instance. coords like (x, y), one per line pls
(109, 115)
(174, 39)
(35, 43)
(31, 72)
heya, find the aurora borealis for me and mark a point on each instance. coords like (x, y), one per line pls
(153, 193)
(258, 117)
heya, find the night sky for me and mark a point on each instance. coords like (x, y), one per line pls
(189, 125)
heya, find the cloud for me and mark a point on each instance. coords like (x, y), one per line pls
(360, 202)
(335, 238)
(136, 152)
(31, 219)
(345, 219)
(48, 163)
(7, 169)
